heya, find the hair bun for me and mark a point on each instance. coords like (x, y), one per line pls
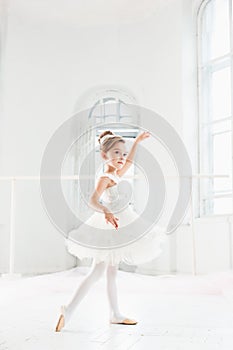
(105, 133)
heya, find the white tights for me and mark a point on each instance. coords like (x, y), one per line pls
(97, 270)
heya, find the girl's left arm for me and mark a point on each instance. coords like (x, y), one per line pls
(131, 154)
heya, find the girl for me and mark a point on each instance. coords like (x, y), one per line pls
(145, 249)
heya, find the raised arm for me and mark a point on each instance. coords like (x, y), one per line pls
(131, 154)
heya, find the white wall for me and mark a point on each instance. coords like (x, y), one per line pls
(51, 59)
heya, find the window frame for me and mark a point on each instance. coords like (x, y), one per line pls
(211, 65)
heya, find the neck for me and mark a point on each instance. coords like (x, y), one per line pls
(110, 169)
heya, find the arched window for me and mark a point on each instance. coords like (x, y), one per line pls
(215, 105)
(110, 109)
(110, 112)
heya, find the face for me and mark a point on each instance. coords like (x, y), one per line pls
(116, 155)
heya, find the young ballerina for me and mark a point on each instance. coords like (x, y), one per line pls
(145, 249)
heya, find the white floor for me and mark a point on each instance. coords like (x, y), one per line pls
(173, 312)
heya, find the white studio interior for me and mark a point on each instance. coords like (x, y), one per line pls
(63, 59)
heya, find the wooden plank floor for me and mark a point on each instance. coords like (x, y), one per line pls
(173, 312)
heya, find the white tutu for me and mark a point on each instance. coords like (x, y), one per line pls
(140, 251)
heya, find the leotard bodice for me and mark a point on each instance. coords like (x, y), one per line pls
(112, 197)
(111, 194)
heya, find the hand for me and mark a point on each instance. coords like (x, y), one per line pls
(142, 136)
(109, 217)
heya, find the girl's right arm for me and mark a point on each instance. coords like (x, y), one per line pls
(94, 201)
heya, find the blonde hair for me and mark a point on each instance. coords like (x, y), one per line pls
(109, 142)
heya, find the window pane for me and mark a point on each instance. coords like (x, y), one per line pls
(222, 206)
(222, 153)
(110, 107)
(211, 129)
(222, 162)
(110, 119)
(222, 185)
(221, 93)
(215, 24)
(126, 119)
(98, 111)
(98, 120)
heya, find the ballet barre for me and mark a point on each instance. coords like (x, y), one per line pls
(14, 179)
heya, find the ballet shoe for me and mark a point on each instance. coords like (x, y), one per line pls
(126, 321)
(61, 321)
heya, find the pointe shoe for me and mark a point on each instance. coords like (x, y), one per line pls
(127, 321)
(61, 321)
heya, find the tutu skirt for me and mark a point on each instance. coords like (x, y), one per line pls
(142, 250)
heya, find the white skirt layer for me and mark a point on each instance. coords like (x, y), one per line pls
(140, 251)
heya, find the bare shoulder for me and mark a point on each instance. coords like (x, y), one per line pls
(105, 180)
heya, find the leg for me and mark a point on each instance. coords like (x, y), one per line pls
(115, 315)
(93, 276)
(112, 291)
